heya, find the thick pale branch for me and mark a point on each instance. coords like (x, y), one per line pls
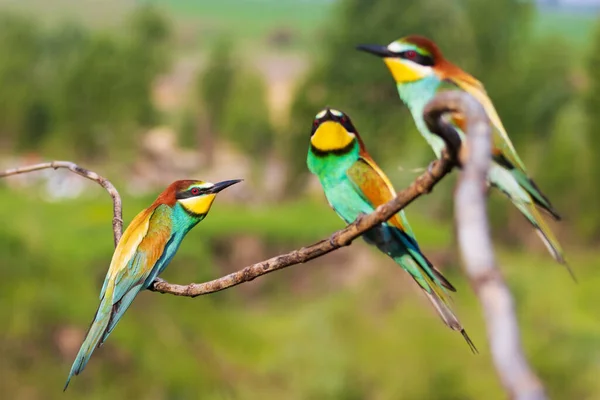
(423, 184)
(477, 250)
(117, 222)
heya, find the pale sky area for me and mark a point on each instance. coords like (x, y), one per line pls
(573, 2)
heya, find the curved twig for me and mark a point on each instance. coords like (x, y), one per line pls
(476, 246)
(423, 184)
(117, 221)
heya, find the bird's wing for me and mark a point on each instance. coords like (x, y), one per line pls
(503, 147)
(503, 151)
(127, 246)
(124, 281)
(138, 251)
(375, 188)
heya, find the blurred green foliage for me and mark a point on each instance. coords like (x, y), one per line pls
(591, 102)
(215, 82)
(325, 339)
(247, 121)
(19, 50)
(214, 86)
(234, 106)
(70, 90)
(79, 91)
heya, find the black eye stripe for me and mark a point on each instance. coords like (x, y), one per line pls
(417, 57)
(345, 121)
(188, 193)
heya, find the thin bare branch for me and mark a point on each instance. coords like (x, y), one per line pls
(423, 184)
(476, 247)
(117, 221)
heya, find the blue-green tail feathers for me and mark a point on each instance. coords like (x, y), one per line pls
(407, 254)
(529, 185)
(435, 293)
(92, 340)
(543, 231)
(423, 262)
(536, 194)
(119, 309)
(106, 318)
(527, 197)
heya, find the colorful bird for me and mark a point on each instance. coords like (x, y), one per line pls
(421, 71)
(145, 249)
(354, 185)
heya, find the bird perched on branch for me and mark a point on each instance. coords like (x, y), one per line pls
(421, 71)
(145, 249)
(355, 185)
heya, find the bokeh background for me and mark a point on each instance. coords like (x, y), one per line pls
(148, 92)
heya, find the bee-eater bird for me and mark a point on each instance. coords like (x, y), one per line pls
(421, 71)
(355, 185)
(145, 249)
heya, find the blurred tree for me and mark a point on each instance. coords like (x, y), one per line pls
(149, 54)
(501, 32)
(187, 128)
(546, 90)
(246, 120)
(213, 90)
(86, 90)
(36, 125)
(516, 68)
(96, 98)
(592, 108)
(103, 83)
(19, 55)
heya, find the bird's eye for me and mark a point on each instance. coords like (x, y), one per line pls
(411, 54)
(195, 191)
(343, 119)
(316, 123)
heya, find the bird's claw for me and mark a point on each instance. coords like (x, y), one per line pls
(359, 217)
(333, 240)
(423, 188)
(156, 281)
(430, 170)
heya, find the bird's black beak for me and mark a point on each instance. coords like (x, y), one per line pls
(376, 49)
(223, 185)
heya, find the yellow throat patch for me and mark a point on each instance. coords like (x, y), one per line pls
(403, 72)
(331, 136)
(198, 205)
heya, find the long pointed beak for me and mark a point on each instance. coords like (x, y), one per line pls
(223, 185)
(376, 49)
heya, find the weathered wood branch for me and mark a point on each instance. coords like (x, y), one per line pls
(117, 221)
(476, 247)
(423, 184)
